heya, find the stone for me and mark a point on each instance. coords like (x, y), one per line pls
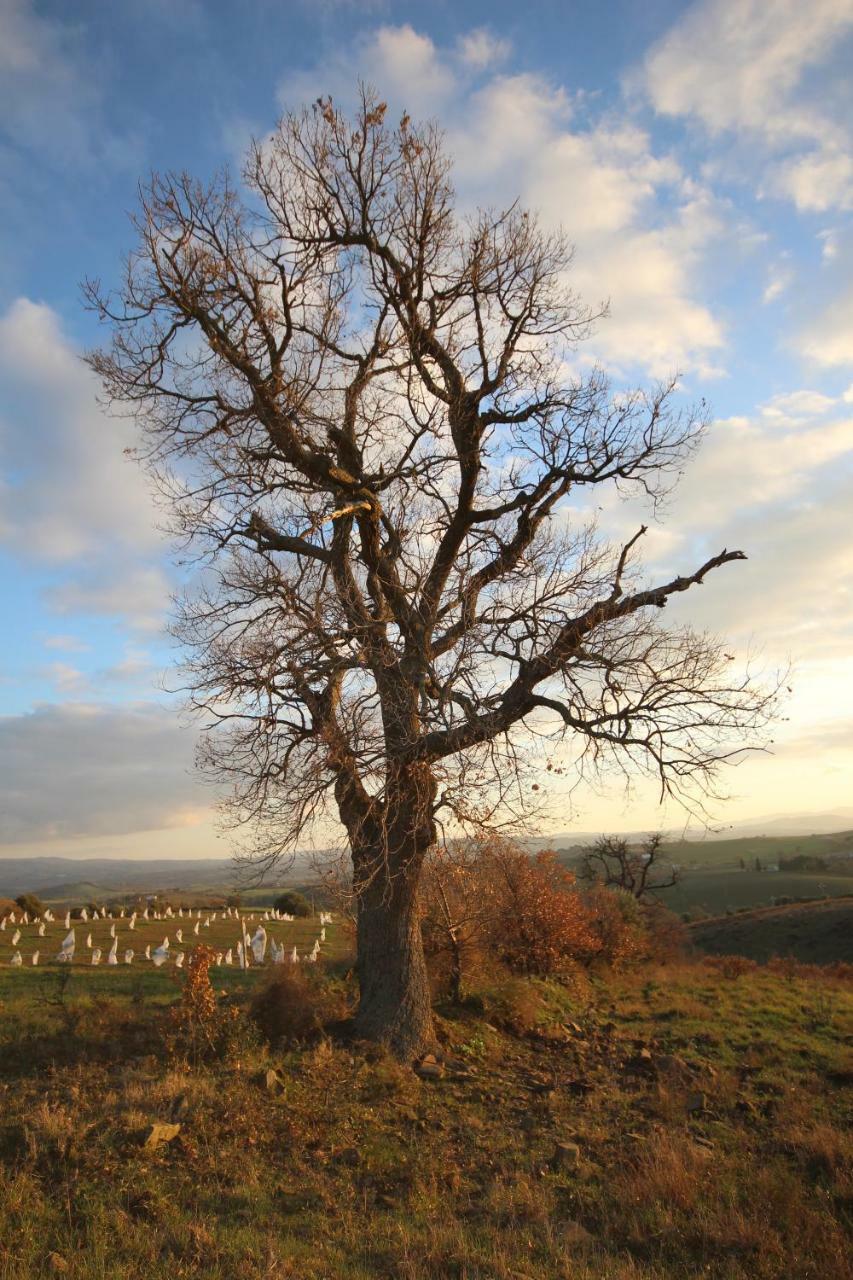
(697, 1103)
(567, 1155)
(160, 1133)
(273, 1082)
(671, 1064)
(429, 1070)
(642, 1060)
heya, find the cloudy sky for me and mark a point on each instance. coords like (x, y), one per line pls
(701, 158)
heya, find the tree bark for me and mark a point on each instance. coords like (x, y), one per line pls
(395, 1006)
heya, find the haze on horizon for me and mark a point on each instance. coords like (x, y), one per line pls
(708, 189)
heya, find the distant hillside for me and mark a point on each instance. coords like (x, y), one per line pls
(813, 932)
(729, 852)
(36, 875)
(75, 880)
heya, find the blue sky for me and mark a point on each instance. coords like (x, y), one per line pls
(700, 157)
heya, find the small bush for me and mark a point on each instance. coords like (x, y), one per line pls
(731, 967)
(514, 1003)
(619, 923)
(198, 1026)
(293, 1006)
(293, 903)
(667, 937)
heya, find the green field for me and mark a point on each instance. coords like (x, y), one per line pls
(728, 853)
(221, 934)
(715, 890)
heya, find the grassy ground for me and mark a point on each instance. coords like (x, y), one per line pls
(708, 1117)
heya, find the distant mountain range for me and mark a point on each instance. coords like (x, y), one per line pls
(78, 879)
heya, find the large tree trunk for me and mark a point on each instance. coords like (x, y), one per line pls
(394, 1007)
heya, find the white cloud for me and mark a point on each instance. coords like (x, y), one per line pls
(481, 49)
(69, 497)
(828, 340)
(67, 490)
(779, 281)
(403, 65)
(612, 193)
(741, 67)
(139, 594)
(640, 227)
(67, 643)
(79, 770)
(50, 92)
(798, 406)
(65, 678)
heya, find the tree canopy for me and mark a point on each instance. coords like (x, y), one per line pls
(363, 409)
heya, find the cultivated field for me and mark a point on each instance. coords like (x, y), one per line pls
(715, 890)
(221, 934)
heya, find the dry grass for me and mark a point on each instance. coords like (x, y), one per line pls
(355, 1168)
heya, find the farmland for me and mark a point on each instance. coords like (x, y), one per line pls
(716, 890)
(221, 933)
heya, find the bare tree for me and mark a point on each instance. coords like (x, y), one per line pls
(641, 870)
(359, 408)
(458, 904)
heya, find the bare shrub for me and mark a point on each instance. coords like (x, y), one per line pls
(292, 1007)
(731, 967)
(197, 1025)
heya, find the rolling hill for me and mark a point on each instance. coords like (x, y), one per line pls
(812, 932)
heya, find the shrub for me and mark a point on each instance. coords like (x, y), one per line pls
(31, 904)
(514, 1003)
(667, 938)
(293, 1006)
(293, 903)
(618, 920)
(198, 1025)
(731, 966)
(541, 924)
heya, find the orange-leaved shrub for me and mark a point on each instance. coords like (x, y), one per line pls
(487, 902)
(540, 924)
(198, 1026)
(619, 923)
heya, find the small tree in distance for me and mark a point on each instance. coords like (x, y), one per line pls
(641, 870)
(356, 403)
(293, 903)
